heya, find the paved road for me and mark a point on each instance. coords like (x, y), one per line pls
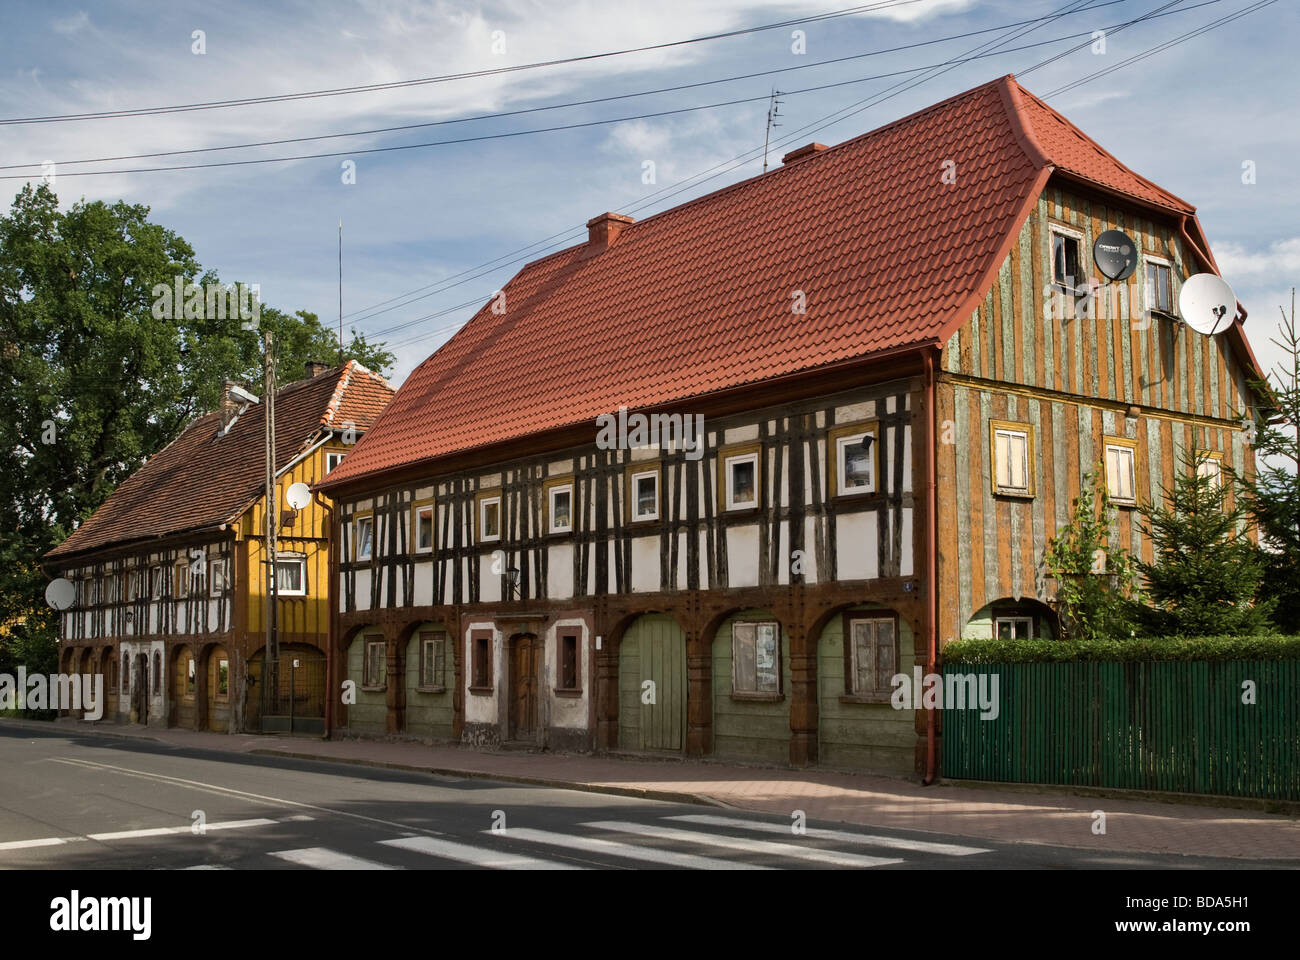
(76, 802)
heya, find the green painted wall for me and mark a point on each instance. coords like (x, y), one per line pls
(370, 713)
(749, 729)
(429, 714)
(980, 626)
(861, 736)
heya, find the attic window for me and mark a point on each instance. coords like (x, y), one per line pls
(1065, 260)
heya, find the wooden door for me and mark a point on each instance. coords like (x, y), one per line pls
(525, 654)
(652, 685)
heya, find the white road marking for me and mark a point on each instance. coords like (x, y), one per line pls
(172, 831)
(208, 866)
(478, 856)
(840, 836)
(833, 857)
(321, 858)
(630, 851)
(43, 842)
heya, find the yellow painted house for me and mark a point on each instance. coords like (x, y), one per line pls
(171, 588)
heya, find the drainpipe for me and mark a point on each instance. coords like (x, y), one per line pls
(932, 565)
(332, 595)
(1205, 258)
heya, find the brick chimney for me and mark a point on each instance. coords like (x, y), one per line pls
(316, 368)
(230, 405)
(807, 150)
(603, 231)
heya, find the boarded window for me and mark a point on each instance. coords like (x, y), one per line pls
(755, 657)
(568, 662)
(373, 670)
(873, 655)
(433, 646)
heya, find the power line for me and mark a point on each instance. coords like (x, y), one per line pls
(556, 106)
(444, 78)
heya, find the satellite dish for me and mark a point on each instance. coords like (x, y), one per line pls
(298, 495)
(1207, 304)
(60, 593)
(1115, 254)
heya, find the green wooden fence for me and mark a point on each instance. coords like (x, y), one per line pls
(1177, 726)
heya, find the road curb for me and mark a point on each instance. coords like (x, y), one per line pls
(639, 793)
(1284, 808)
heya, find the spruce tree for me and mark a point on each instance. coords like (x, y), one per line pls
(1205, 574)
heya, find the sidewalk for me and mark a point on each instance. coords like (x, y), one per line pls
(1056, 818)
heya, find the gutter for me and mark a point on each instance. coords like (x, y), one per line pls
(932, 565)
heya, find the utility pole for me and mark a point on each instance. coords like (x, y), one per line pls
(340, 291)
(271, 658)
(773, 111)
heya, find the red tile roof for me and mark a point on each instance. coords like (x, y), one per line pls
(201, 479)
(698, 298)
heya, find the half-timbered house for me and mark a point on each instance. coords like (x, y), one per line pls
(170, 571)
(876, 385)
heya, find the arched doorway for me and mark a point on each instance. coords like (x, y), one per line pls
(1012, 619)
(218, 699)
(525, 666)
(288, 697)
(140, 689)
(184, 704)
(652, 685)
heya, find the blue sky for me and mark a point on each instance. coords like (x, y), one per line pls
(1187, 118)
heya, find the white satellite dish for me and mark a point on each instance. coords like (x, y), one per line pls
(298, 495)
(60, 593)
(1207, 304)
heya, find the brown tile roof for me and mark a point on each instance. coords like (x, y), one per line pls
(200, 479)
(698, 298)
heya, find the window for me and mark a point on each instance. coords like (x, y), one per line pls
(481, 660)
(755, 658)
(559, 507)
(156, 582)
(291, 576)
(872, 655)
(433, 659)
(569, 675)
(1210, 465)
(374, 669)
(1159, 286)
(1013, 627)
(489, 519)
(223, 679)
(124, 674)
(1121, 470)
(181, 580)
(157, 671)
(643, 497)
(854, 459)
(1065, 260)
(216, 578)
(423, 529)
(739, 487)
(132, 585)
(332, 460)
(185, 680)
(1011, 450)
(363, 529)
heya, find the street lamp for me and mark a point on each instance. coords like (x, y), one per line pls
(512, 578)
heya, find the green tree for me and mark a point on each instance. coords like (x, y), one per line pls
(1095, 583)
(93, 380)
(1272, 495)
(1205, 573)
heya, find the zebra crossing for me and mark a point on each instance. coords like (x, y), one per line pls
(690, 841)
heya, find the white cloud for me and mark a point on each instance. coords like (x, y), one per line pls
(73, 24)
(1281, 258)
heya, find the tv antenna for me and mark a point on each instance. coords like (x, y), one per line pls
(773, 111)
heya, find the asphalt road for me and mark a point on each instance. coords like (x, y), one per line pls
(79, 802)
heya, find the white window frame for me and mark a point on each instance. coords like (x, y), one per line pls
(1214, 458)
(216, 577)
(1057, 230)
(483, 535)
(332, 459)
(301, 562)
(1131, 451)
(551, 493)
(156, 582)
(728, 465)
(842, 463)
(637, 515)
(357, 553)
(420, 510)
(1011, 430)
(1014, 619)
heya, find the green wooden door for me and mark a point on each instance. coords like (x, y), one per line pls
(652, 685)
